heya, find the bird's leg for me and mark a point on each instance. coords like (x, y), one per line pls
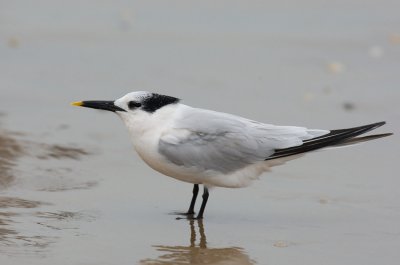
(193, 202)
(203, 204)
(190, 212)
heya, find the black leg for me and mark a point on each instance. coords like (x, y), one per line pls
(203, 204)
(193, 202)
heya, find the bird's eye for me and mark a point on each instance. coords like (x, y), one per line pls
(134, 104)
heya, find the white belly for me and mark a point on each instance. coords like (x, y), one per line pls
(145, 135)
(147, 148)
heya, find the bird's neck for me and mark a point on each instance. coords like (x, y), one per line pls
(150, 124)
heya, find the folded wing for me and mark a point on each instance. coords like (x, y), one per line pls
(207, 140)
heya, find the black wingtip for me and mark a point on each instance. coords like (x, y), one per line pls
(334, 137)
(361, 139)
(378, 124)
(386, 134)
(370, 127)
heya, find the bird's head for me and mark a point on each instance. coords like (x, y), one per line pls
(134, 104)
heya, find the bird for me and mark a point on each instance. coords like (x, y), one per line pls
(215, 149)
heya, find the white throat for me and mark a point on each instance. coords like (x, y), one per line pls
(144, 124)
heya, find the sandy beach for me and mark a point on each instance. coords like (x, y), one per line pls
(73, 190)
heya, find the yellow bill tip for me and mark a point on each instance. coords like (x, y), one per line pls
(77, 103)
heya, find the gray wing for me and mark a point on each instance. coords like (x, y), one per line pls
(207, 140)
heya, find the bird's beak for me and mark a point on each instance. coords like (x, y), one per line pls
(98, 104)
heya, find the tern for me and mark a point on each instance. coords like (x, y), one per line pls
(215, 149)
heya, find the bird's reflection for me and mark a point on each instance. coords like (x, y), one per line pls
(197, 251)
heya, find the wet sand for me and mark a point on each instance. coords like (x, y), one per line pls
(73, 191)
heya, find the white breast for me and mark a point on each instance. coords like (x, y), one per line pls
(145, 130)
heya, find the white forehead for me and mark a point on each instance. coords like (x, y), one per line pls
(135, 96)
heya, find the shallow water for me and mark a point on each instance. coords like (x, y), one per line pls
(72, 190)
